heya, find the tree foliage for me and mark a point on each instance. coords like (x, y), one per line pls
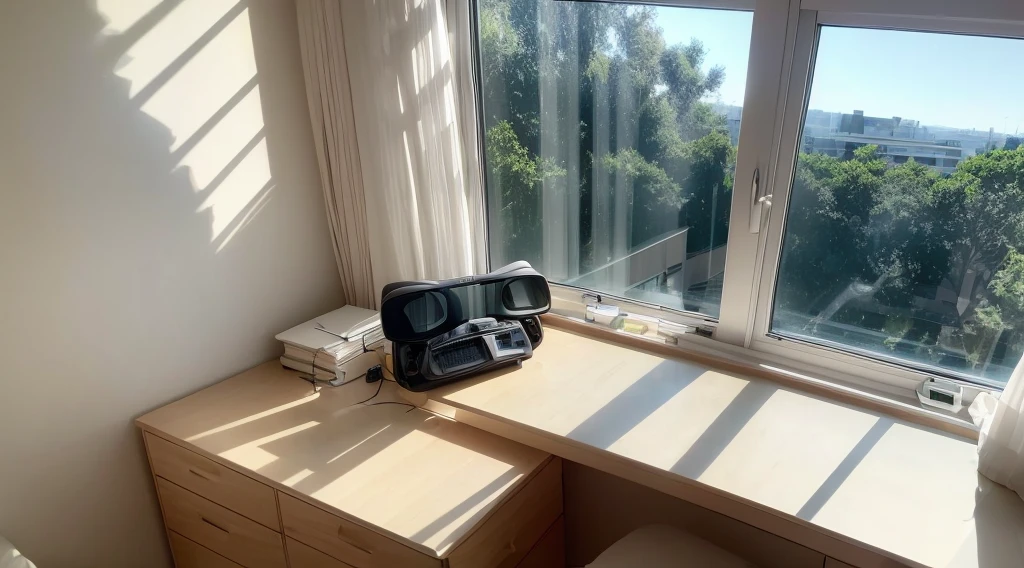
(593, 91)
(585, 104)
(864, 230)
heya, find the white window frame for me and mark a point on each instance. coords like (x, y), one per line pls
(765, 62)
(866, 369)
(780, 64)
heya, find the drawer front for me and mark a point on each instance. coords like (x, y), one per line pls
(346, 541)
(302, 556)
(508, 535)
(222, 531)
(188, 554)
(215, 482)
(833, 563)
(549, 552)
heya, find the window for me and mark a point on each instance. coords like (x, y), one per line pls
(610, 143)
(866, 223)
(891, 251)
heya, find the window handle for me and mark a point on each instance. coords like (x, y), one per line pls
(760, 199)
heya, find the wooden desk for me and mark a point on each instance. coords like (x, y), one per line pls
(373, 486)
(858, 486)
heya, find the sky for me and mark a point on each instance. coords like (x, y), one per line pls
(939, 79)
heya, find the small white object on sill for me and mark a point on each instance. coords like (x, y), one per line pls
(940, 393)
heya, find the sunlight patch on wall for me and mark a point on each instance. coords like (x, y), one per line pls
(225, 141)
(238, 189)
(205, 82)
(172, 36)
(195, 72)
(121, 15)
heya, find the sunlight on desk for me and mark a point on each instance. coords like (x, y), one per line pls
(868, 478)
(353, 459)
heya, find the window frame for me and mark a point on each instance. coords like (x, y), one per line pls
(767, 50)
(780, 65)
(868, 369)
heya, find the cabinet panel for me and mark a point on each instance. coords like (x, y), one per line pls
(345, 540)
(217, 483)
(508, 535)
(221, 530)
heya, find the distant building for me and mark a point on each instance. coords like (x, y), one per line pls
(898, 139)
(733, 116)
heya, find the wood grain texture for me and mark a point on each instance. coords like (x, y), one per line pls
(217, 483)
(302, 556)
(420, 479)
(219, 529)
(906, 409)
(549, 552)
(515, 528)
(855, 484)
(345, 540)
(188, 554)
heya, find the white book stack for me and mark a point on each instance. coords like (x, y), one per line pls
(338, 346)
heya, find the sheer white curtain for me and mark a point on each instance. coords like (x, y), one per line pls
(1001, 447)
(328, 90)
(393, 100)
(460, 39)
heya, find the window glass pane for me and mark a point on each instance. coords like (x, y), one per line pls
(610, 142)
(905, 230)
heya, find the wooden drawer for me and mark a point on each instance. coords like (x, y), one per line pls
(345, 540)
(833, 563)
(549, 552)
(217, 483)
(508, 535)
(188, 554)
(302, 556)
(222, 531)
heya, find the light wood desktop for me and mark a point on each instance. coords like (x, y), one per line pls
(258, 468)
(856, 485)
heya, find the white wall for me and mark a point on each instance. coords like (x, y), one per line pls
(160, 220)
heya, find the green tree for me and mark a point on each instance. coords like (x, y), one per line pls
(982, 204)
(520, 181)
(556, 72)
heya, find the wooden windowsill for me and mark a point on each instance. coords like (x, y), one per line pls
(857, 481)
(905, 408)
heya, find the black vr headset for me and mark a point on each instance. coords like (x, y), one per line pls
(448, 330)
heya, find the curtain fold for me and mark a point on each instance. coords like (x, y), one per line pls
(1001, 445)
(460, 39)
(418, 201)
(328, 90)
(393, 105)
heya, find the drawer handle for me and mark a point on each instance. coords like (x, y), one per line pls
(348, 541)
(214, 525)
(197, 474)
(507, 551)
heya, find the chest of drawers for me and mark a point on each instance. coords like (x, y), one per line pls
(260, 472)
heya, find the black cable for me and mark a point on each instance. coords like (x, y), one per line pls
(411, 406)
(379, 384)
